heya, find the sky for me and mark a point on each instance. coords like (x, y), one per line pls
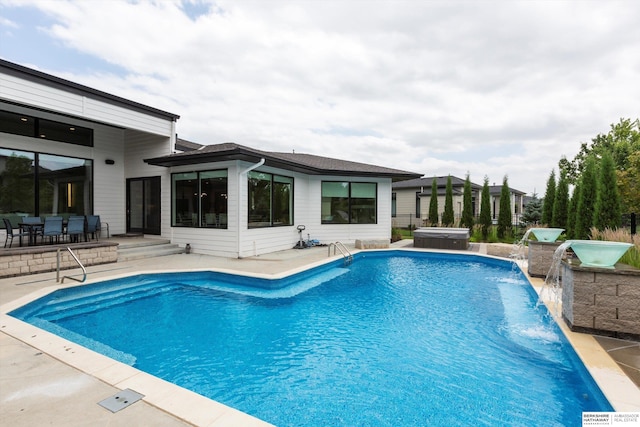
(490, 88)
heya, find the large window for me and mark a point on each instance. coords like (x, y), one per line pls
(44, 184)
(199, 199)
(270, 200)
(21, 124)
(349, 202)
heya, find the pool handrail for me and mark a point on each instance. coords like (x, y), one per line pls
(348, 258)
(84, 270)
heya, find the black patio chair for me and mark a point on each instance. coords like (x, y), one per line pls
(11, 234)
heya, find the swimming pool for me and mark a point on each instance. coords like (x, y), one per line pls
(397, 338)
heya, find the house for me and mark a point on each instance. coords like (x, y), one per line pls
(411, 199)
(69, 149)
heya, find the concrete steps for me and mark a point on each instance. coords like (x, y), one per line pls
(147, 248)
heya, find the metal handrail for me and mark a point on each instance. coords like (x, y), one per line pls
(84, 270)
(348, 258)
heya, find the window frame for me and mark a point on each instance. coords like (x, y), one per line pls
(72, 184)
(350, 203)
(52, 130)
(272, 216)
(219, 219)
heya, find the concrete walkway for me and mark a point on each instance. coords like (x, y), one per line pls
(45, 380)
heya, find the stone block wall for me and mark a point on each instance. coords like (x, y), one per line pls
(540, 257)
(601, 301)
(40, 259)
(372, 244)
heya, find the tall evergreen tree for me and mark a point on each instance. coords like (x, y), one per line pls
(533, 211)
(587, 200)
(573, 212)
(608, 210)
(467, 205)
(549, 199)
(433, 204)
(561, 204)
(504, 216)
(447, 215)
(485, 209)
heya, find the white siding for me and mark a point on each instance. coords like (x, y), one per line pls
(26, 92)
(209, 241)
(127, 148)
(108, 180)
(240, 241)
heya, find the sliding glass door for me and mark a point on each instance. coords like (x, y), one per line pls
(143, 205)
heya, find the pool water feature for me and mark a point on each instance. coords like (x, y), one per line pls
(398, 338)
(547, 234)
(552, 288)
(599, 253)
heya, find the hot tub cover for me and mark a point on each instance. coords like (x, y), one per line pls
(442, 232)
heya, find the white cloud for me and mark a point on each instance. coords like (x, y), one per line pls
(494, 88)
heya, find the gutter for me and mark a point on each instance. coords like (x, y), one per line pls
(241, 186)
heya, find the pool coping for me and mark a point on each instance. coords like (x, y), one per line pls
(198, 410)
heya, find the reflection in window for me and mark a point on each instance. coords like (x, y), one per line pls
(21, 124)
(17, 189)
(64, 185)
(35, 184)
(270, 200)
(199, 199)
(349, 203)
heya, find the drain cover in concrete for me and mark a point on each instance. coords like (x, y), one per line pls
(121, 400)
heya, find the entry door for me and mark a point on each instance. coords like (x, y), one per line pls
(143, 205)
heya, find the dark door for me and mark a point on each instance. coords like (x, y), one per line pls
(143, 205)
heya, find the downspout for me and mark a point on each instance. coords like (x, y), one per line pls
(240, 186)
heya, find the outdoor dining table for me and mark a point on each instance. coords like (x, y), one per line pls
(32, 229)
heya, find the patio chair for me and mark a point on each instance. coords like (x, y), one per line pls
(93, 226)
(75, 228)
(11, 234)
(52, 228)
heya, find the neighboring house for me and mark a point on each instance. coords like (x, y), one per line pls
(411, 199)
(68, 149)
(516, 202)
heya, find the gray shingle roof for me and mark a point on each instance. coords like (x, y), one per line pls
(425, 182)
(184, 145)
(298, 162)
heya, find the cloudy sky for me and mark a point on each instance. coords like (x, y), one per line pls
(491, 88)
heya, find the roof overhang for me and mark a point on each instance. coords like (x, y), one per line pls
(245, 154)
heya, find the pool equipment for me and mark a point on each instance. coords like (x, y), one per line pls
(300, 244)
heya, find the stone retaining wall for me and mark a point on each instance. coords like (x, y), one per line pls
(372, 244)
(41, 259)
(540, 257)
(601, 301)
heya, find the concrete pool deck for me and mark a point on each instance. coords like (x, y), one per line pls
(47, 380)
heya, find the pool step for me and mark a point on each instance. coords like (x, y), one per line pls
(148, 248)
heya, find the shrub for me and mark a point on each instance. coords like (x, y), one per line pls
(632, 256)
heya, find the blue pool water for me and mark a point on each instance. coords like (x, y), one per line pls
(396, 338)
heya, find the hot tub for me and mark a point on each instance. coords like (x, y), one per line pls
(441, 238)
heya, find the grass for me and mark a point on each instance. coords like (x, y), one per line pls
(632, 256)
